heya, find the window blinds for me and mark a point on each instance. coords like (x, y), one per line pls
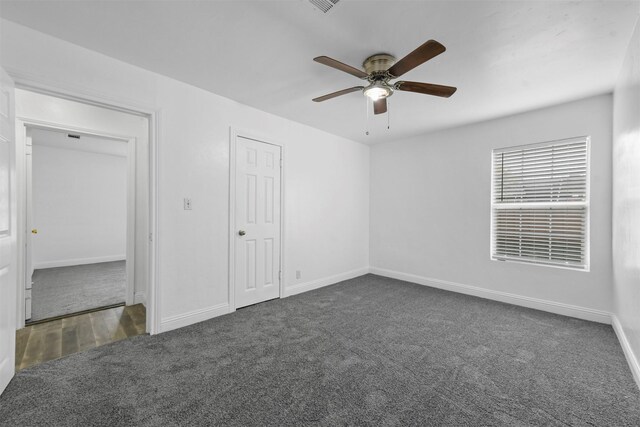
(540, 203)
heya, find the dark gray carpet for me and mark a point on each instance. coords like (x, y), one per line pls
(368, 351)
(64, 290)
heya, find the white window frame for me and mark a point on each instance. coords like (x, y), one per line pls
(586, 204)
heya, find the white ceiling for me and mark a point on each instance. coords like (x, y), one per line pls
(504, 56)
(87, 143)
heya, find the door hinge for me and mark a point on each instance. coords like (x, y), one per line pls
(281, 163)
(280, 275)
(151, 237)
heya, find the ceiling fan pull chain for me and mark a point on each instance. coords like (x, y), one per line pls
(388, 114)
(366, 122)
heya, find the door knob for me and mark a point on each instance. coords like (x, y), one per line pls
(34, 231)
(242, 232)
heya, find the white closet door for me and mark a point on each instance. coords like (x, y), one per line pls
(257, 238)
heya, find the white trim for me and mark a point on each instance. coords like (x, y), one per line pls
(58, 127)
(195, 316)
(326, 281)
(79, 261)
(524, 301)
(632, 360)
(131, 220)
(40, 84)
(234, 133)
(515, 260)
(140, 298)
(542, 205)
(7, 374)
(532, 145)
(231, 292)
(152, 300)
(200, 315)
(80, 94)
(20, 143)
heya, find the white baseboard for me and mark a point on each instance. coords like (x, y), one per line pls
(632, 360)
(524, 301)
(140, 298)
(186, 319)
(195, 316)
(7, 371)
(325, 281)
(78, 261)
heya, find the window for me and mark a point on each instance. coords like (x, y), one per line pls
(540, 203)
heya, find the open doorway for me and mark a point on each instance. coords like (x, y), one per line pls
(76, 249)
(86, 222)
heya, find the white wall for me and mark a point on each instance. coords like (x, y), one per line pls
(325, 188)
(79, 207)
(430, 210)
(326, 177)
(626, 202)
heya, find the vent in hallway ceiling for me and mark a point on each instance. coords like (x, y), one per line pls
(324, 5)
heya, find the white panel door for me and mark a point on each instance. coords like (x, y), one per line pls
(257, 210)
(8, 285)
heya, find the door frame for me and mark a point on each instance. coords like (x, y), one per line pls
(153, 115)
(234, 134)
(23, 124)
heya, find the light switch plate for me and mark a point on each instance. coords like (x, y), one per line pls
(187, 204)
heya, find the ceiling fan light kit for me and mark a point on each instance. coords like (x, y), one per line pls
(381, 68)
(378, 90)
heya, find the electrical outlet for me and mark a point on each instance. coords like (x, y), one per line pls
(187, 204)
(298, 274)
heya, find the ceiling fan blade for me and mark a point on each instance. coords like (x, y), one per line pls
(380, 106)
(340, 66)
(338, 93)
(428, 50)
(426, 88)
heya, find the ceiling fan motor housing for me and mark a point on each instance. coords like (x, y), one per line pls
(377, 63)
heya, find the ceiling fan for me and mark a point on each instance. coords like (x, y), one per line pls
(381, 68)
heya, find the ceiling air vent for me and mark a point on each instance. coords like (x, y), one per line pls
(323, 5)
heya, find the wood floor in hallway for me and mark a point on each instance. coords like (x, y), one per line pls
(51, 340)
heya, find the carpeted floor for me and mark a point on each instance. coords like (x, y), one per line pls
(64, 290)
(368, 351)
